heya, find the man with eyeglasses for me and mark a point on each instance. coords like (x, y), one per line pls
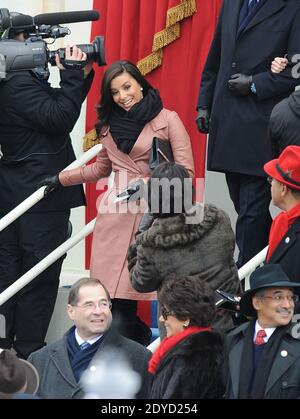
(284, 240)
(263, 355)
(62, 363)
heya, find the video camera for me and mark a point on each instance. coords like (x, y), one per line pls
(33, 53)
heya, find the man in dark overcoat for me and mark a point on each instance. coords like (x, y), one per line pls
(237, 94)
(263, 356)
(35, 125)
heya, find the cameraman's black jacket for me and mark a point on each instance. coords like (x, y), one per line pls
(35, 123)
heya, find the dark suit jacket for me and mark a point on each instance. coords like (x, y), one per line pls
(238, 140)
(287, 253)
(56, 376)
(35, 123)
(284, 377)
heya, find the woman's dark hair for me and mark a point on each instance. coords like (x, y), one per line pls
(188, 297)
(106, 101)
(170, 190)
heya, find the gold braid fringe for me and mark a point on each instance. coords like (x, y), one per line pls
(163, 38)
(160, 40)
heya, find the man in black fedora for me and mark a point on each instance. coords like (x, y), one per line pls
(263, 355)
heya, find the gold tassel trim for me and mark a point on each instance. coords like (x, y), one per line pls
(186, 9)
(168, 35)
(90, 139)
(165, 37)
(149, 63)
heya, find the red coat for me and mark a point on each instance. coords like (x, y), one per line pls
(116, 226)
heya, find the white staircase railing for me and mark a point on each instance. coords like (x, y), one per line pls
(39, 194)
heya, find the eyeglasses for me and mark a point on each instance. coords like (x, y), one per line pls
(165, 313)
(92, 306)
(270, 180)
(280, 298)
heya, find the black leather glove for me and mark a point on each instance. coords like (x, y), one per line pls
(240, 84)
(74, 65)
(52, 182)
(202, 120)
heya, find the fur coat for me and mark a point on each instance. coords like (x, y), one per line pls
(172, 246)
(192, 369)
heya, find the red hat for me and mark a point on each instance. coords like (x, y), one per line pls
(286, 169)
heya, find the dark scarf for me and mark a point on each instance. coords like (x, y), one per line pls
(280, 227)
(168, 343)
(126, 126)
(253, 382)
(79, 359)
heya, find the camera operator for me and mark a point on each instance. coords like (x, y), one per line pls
(35, 123)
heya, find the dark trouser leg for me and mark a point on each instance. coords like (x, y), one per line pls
(10, 271)
(127, 322)
(251, 196)
(39, 234)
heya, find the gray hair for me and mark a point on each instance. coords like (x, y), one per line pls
(74, 291)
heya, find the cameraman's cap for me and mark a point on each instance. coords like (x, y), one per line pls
(270, 275)
(286, 169)
(17, 374)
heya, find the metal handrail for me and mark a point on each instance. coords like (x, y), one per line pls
(39, 194)
(46, 262)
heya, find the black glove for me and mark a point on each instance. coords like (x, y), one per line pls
(52, 182)
(240, 84)
(74, 65)
(202, 120)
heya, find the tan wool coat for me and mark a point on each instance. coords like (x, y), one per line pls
(117, 223)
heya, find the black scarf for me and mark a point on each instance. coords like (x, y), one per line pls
(79, 359)
(126, 126)
(253, 386)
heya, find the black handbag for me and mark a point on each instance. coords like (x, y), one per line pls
(161, 152)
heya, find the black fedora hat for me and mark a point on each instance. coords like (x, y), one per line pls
(268, 276)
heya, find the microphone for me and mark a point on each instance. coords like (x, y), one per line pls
(66, 17)
(49, 19)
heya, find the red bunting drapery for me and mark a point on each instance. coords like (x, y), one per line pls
(130, 28)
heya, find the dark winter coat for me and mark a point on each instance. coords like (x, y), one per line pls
(284, 377)
(171, 246)
(238, 136)
(57, 379)
(192, 369)
(285, 123)
(288, 251)
(35, 123)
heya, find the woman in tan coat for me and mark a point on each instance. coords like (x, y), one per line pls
(130, 114)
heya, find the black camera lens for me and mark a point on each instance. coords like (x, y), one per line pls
(94, 52)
